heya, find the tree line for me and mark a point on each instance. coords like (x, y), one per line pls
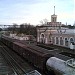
(23, 28)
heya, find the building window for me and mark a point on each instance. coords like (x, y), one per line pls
(61, 41)
(57, 40)
(42, 35)
(66, 41)
(42, 38)
(53, 19)
(71, 40)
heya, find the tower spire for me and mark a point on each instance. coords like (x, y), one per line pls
(54, 10)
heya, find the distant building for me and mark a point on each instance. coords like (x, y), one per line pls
(55, 33)
(22, 37)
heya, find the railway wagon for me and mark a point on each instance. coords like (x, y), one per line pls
(36, 57)
(7, 41)
(18, 47)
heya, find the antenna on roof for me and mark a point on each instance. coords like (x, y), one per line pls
(54, 10)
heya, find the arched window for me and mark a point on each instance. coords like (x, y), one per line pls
(42, 38)
(42, 35)
(66, 41)
(50, 37)
(61, 41)
(57, 40)
(71, 40)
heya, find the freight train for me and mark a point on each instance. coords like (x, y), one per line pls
(33, 55)
(39, 57)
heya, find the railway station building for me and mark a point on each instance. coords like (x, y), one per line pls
(55, 33)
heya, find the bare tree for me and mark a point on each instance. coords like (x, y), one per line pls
(14, 27)
(44, 21)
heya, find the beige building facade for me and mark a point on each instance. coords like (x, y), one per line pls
(54, 33)
(63, 37)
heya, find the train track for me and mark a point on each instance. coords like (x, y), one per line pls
(4, 67)
(18, 70)
(15, 66)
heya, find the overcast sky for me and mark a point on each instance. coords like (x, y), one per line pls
(33, 11)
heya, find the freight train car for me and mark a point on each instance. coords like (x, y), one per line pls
(18, 47)
(37, 57)
(33, 55)
(7, 41)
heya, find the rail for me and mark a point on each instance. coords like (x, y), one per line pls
(18, 70)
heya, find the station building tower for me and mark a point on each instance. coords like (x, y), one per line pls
(54, 20)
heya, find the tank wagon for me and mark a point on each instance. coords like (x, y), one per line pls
(34, 56)
(60, 66)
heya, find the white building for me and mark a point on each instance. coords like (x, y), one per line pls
(22, 37)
